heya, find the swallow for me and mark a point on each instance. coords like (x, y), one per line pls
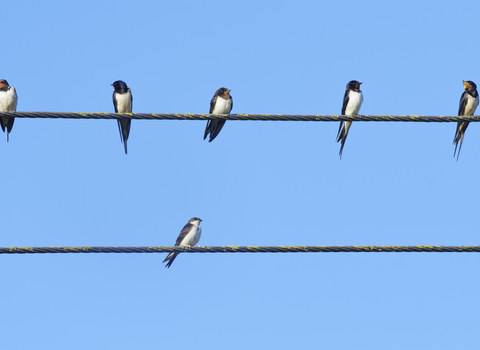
(468, 105)
(8, 103)
(221, 103)
(352, 101)
(189, 236)
(123, 103)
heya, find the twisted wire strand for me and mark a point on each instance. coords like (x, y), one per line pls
(246, 249)
(261, 117)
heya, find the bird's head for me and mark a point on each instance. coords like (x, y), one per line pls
(195, 221)
(120, 86)
(469, 85)
(224, 92)
(354, 85)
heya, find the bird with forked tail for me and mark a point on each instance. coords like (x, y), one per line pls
(123, 103)
(352, 101)
(468, 105)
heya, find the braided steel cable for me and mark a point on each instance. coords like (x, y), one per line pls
(261, 117)
(247, 249)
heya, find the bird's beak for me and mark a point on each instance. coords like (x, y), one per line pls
(465, 84)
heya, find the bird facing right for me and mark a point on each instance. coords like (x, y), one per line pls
(189, 236)
(8, 103)
(123, 103)
(468, 105)
(221, 103)
(352, 101)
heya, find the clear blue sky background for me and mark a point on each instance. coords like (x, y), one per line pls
(69, 183)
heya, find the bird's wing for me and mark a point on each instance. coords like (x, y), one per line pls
(463, 103)
(212, 103)
(185, 230)
(346, 98)
(115, 102)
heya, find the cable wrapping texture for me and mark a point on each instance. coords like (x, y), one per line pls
(246, 249)
(260, 117)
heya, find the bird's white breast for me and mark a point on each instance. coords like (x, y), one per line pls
(124, 102)
(8, 100)
(472, 104)
(193, 236)
(355, 100)
(222, 106)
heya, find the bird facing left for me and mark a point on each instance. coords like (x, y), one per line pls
(8, 103)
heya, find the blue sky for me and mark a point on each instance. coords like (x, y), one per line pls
(69, 183)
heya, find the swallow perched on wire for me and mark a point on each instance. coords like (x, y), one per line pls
(189, 236)
(468, 105)
(8, 103)
(123, 103)
(221, 103)
(352, 101)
